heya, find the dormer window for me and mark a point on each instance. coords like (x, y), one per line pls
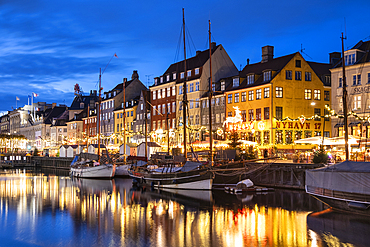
(222, 85)
(188, 73)
(174, 76)
(167, 77)
(350, 59)
(109, 95)
(236, 82)
(182, 75)
(213, 87)
(197, 71)
(250, 79)
(114, 93)
(267, 75)
(156, 81)
(161, 79)
(82, 105)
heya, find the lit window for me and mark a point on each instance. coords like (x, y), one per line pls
(250, 79)
(159, 94)
(258, 93)
(244, 96)
(180, 90)
(251, 95)
(191, 87)
(236, 98)
(197, 86)
(317, 94)
(167, 77)
(229, 98)
(163, 93)
(174, 76)
(267, 76)
(182, 74)
(223, 84)
(308, 94)
(266, 92)
(188, 73)
(279, 92)
(197, 71)
(236, 82)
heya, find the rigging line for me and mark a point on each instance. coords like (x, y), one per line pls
(108, 63)
(191, 39)
(178, 46)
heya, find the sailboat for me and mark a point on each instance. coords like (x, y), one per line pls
(86, 165)
(343, 186)
(192, 175)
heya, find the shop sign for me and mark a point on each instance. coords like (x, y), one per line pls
(297, 125)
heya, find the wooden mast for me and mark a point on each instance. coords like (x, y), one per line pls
(345, 128)
(185, 100)
(124, 120)
(99, 104)
(210, 97)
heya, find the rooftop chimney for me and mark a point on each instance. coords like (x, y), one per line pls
(135, 75)
(334, 57)
(213, 45)
(197, 53)
(267, 53)
(247, 61)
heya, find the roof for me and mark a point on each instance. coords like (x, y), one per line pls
(82, 99)
(363, 58)
(53, 113)
(321, 70)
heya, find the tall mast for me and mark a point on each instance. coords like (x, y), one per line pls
(185, 100)
(145, 124)
(210, 97)
(87, 126)
(124, 120)
(99, 115)
(345, 102)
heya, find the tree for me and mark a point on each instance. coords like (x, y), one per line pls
(36, 152)
(234, 138)
(320, 157)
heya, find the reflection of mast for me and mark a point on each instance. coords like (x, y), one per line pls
(99, 115)
(124, 120)
(185, 100)
(210, 98)
(345, 102)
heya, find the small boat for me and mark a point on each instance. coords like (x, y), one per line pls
(343, 186)
(245, 186)
(190, 176)
(86, 165)
(122, 170)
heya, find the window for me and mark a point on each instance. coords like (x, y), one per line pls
(164, 109)
(307, 76)
(173, 106)
(197, 101)
(223, 84)
(267, 76)
(196, 71)
(173, 123)
(196, 119)
(153, 125)
(169, 107)
(288, 137)
(188, 74)
(307, 94)
(340, 84)
(368, 78)
(159, 94)
(266, 92)
(168, 91)
(236, 98)
(235, 82)
(244, 96)
(180, 106)
(244, 115)
(132, 113)
(204, 104)
(229, 114)
(266, 113)
(217, 118)
(212, 101)
(156, 81)
(159, 109)
(197, 86)
(250, 115)
(222, 100)
(141, 106)
(182, 74)
(258, 93)
(326, 95)
(298, 75)
(250, 79)
(154, 94)
(180, 90)
(213, 87)
(174, 76)
(191, 87)
(117, 116)
(191, 104)
(222, 117)
(258, 114)
(229, 98)
(356, 102)
(317, 113)
(217, 101)
(163, 93)
(279, 112)
(297, 63)
(250, 95)
(167, 77)
(350, 59)
(279, 92)
(317, 94)
(288, 74)
(161, 79)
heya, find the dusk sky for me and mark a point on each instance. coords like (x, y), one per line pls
(49, 46)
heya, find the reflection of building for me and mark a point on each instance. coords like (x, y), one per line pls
(278, 99)
(139, 125)
(357, 67)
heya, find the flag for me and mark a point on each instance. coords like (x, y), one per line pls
(16, 98)
(35, 94)
(115, 54)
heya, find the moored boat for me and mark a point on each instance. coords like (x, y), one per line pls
(190, 176)
(343, 186)
(86, 165)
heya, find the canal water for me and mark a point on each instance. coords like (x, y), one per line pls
(49, 209)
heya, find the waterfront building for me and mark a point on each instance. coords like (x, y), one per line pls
(279, 100)
(357, 69)
(89, 127)
(167, 94)
(139, 124)
(58, 131)
(113, 100)
(75, 135)
(4, 124)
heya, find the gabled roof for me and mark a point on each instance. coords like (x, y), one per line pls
(53, 113)
(82, 99)
(321, 70)
(363, 58)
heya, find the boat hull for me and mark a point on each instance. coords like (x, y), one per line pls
(193, 180)
(102, 171)
(122, 170)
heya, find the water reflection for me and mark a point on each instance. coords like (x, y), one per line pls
(38, 209)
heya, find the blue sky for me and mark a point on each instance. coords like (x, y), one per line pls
(46, 47)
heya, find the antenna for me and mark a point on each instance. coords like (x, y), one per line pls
(302, 51)
(148, 79)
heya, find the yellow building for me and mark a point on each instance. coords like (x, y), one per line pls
(130, 111)
(279, 101)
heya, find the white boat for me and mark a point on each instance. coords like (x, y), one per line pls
(122, 170)
(86, 165)
(344, 186)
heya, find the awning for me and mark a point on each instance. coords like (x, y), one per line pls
(352, 124)
(338, 125)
